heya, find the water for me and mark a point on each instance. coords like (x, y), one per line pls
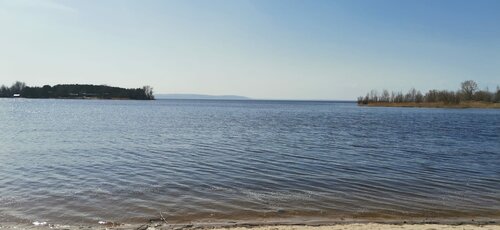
(82, 161)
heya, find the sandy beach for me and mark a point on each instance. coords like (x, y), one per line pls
(491, 225)
(372, 226)
(163, 224)
(354, 226)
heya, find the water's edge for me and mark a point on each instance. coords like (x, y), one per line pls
(163, 224)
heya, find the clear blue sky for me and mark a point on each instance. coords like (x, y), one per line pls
(335, 49)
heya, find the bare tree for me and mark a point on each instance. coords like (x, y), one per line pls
(484, 95)
(399, 97)
(413, 94)
(497, 95)
(468, 89)
(148, 90)
(385, 96)
(419, 98)
(374, 95)
(17, 87)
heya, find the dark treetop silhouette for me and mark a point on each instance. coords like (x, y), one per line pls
(19, 89)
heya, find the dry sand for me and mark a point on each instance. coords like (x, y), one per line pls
(371, 226)
(360, 226)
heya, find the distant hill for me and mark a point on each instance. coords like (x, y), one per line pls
(199, 96)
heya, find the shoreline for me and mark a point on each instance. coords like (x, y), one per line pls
(297, 224)
(265, 226)
(461, 105)
(368, 226)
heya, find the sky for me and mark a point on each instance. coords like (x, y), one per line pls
(263, 49)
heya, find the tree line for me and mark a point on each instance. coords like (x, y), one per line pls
(20, 89)
(468, 91)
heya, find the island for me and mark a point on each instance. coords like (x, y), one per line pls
(468, 96)
(76, 91)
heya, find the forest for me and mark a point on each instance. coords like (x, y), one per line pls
(76, 91)
(468, 93)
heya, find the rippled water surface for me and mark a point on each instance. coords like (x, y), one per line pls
(81, 161)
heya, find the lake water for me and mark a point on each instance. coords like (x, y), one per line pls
(82, 161)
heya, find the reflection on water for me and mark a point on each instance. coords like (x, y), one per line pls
(81, 161)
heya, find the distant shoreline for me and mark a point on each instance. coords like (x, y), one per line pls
(77, 98)
(468, 96)
(461, 105)
(75, 91)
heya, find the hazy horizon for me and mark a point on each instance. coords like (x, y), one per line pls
(308, 50)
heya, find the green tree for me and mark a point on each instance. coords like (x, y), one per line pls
(5, 91)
